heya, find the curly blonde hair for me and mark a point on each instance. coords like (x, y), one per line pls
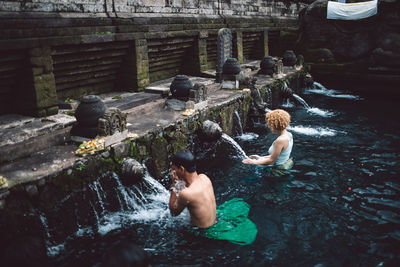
(277, 120)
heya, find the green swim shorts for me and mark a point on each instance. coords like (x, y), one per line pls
(232, 224)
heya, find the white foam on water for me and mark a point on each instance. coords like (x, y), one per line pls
(321, 112)
(248, 136)
(288, 104)
(84, 231)
(110, 221)
(319, 131)
(53, 251)
(150, 205)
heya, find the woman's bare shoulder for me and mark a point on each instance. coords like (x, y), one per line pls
(281, 139)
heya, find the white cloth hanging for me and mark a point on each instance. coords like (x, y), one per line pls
(351, 11)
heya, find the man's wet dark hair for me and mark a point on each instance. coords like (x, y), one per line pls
(186, 159)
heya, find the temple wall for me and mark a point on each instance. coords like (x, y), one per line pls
(125, 8)
(55, 50)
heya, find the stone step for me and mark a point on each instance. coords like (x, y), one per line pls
(125, 101)
(20, 136)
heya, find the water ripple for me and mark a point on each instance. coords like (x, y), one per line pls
(384, 202)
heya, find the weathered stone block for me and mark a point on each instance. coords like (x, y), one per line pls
(36, 61)
(121, 150)
(52, 111)
(37, 71)
(159, 152)
(226, 115)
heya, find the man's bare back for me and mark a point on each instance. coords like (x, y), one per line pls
(198, 197)
(201, 202)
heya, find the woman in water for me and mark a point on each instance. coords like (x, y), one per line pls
(278, 161)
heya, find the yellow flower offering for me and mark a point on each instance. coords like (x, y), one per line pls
(188, 112)
(3, 182)
(91, 147)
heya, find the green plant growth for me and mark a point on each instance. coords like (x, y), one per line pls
(69, 100)
(81, 167)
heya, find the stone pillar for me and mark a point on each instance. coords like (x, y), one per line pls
(224, 50)
(202, 50)
(41, 101)
(265, 43)
(141, 59)
(239, 46)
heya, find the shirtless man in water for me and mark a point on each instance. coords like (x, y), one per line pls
(198, 196)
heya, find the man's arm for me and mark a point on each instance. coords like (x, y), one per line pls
(177, 203)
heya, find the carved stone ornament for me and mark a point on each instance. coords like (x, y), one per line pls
(111, 122)
(198, 93)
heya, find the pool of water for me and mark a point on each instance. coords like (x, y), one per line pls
(339, 206)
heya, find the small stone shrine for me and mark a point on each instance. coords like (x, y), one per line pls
(185, 95)
(230, 74)
(224, 50)
(289, 58)
(180, 87)
(94, 118)
(299, 62)
(267, 66)
(180, 90)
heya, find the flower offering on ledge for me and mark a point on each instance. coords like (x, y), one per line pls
(91, 147)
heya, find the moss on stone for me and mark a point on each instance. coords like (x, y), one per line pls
(159, 153)
(226, 115)
(140, 148)
(179, 142)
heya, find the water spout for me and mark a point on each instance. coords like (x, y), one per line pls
(301, 101)
(319, 86)
(322, 90)
(286, 91)
(237, 147)
(238, 122)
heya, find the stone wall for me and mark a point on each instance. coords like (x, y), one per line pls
(125, 8)
(95, 47)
